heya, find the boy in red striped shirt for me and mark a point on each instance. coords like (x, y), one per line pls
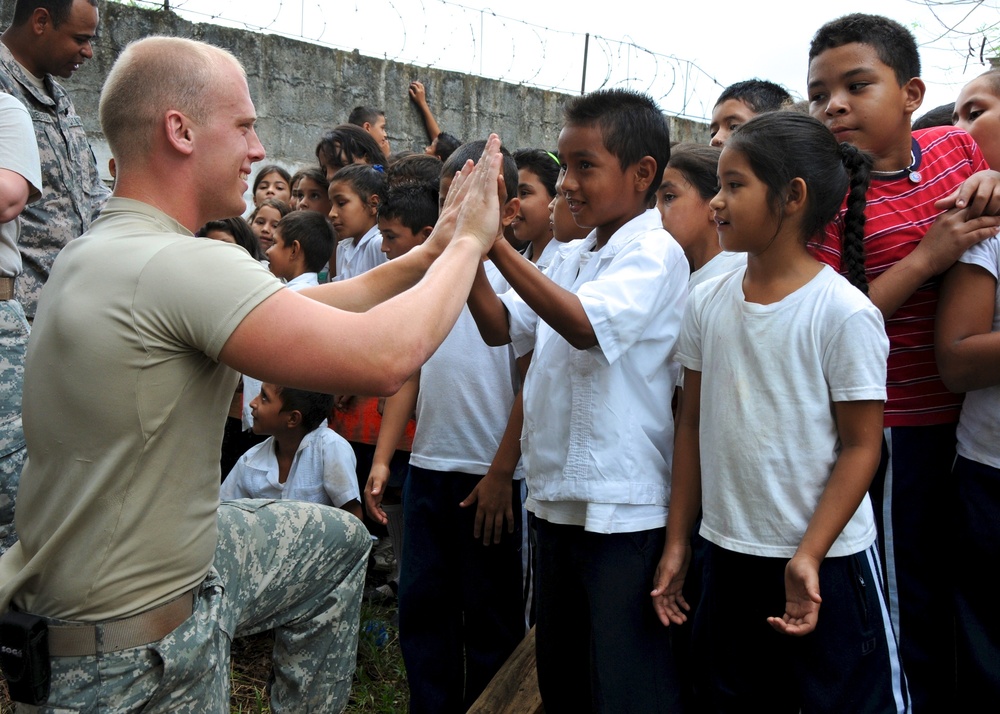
(931, 197)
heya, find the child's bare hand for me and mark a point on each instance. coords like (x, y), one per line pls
(417, 92)
(953, 233)
(472, 206)
(979, 194)
(668, 584)
(802, 598)
(478, 193)
(377, 479)
(492, 498)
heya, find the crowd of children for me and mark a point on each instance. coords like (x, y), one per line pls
(810, 298)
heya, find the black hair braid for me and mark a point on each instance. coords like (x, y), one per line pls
(858, 165)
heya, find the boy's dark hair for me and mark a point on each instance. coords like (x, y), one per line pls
(314, 234)
(894, 44)
(542, 163)
(239, 230)
(700, 165)
(471, 152)
(781, 146)
(360, 115)
(631, 125)
(414, 168)
(446, 145)
(938, 116)
(313, 406)
(364, 180)
(348, 144)
(758, 94)
(271, 169)
(58, 10)
(415, 205)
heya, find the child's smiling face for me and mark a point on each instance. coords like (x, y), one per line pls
(599, 193)
(532, 221)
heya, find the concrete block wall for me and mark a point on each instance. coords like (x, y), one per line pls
(301, 89)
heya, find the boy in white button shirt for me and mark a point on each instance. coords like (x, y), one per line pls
(598, 430)
(302, 460)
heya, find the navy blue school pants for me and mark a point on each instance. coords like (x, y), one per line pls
(849, 663)
(599, 645)
(461, 611)
(977, 555)
(913, 497)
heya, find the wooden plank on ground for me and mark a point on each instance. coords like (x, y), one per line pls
(514, 689)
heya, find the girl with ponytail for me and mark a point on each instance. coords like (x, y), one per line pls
(778, 437)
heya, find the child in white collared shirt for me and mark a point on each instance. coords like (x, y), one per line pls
(302, 460)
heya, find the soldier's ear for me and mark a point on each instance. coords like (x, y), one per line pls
(179, 131)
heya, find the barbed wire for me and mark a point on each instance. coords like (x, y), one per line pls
(446, 35)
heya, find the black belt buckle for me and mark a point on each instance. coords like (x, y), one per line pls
(24, 657)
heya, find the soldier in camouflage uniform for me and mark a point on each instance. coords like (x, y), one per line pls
(140, 335)
(40, 44)
(20, 178)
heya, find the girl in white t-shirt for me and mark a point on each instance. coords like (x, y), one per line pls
(778, 437)
(968, 355)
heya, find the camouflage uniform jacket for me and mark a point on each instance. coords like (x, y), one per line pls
(72, 192)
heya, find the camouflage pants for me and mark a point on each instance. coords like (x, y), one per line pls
(13, 341)
(297, 568)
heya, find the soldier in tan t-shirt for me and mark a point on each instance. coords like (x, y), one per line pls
(140, 335)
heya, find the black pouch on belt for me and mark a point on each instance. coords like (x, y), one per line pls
(24, 657)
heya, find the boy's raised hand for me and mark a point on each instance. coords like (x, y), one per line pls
(802, 598)
(668, 584)
(417, 92)
(472, 206)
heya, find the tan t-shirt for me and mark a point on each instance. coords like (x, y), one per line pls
(124, 408)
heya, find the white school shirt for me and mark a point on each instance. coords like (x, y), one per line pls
(355, 257)
(322, 471)
(466, 392)
(301, 282)
(548, 253)
(720, 264)
(768, 437)
(598, 430)
(979, 424)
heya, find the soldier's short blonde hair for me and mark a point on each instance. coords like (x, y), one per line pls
(152, 76)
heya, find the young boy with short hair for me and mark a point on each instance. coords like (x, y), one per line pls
(372, 120)
(460, 607)
(598, 430)
(930, 198)
(741, 102)
(303, 244)
(302, 460)
(407, 217)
